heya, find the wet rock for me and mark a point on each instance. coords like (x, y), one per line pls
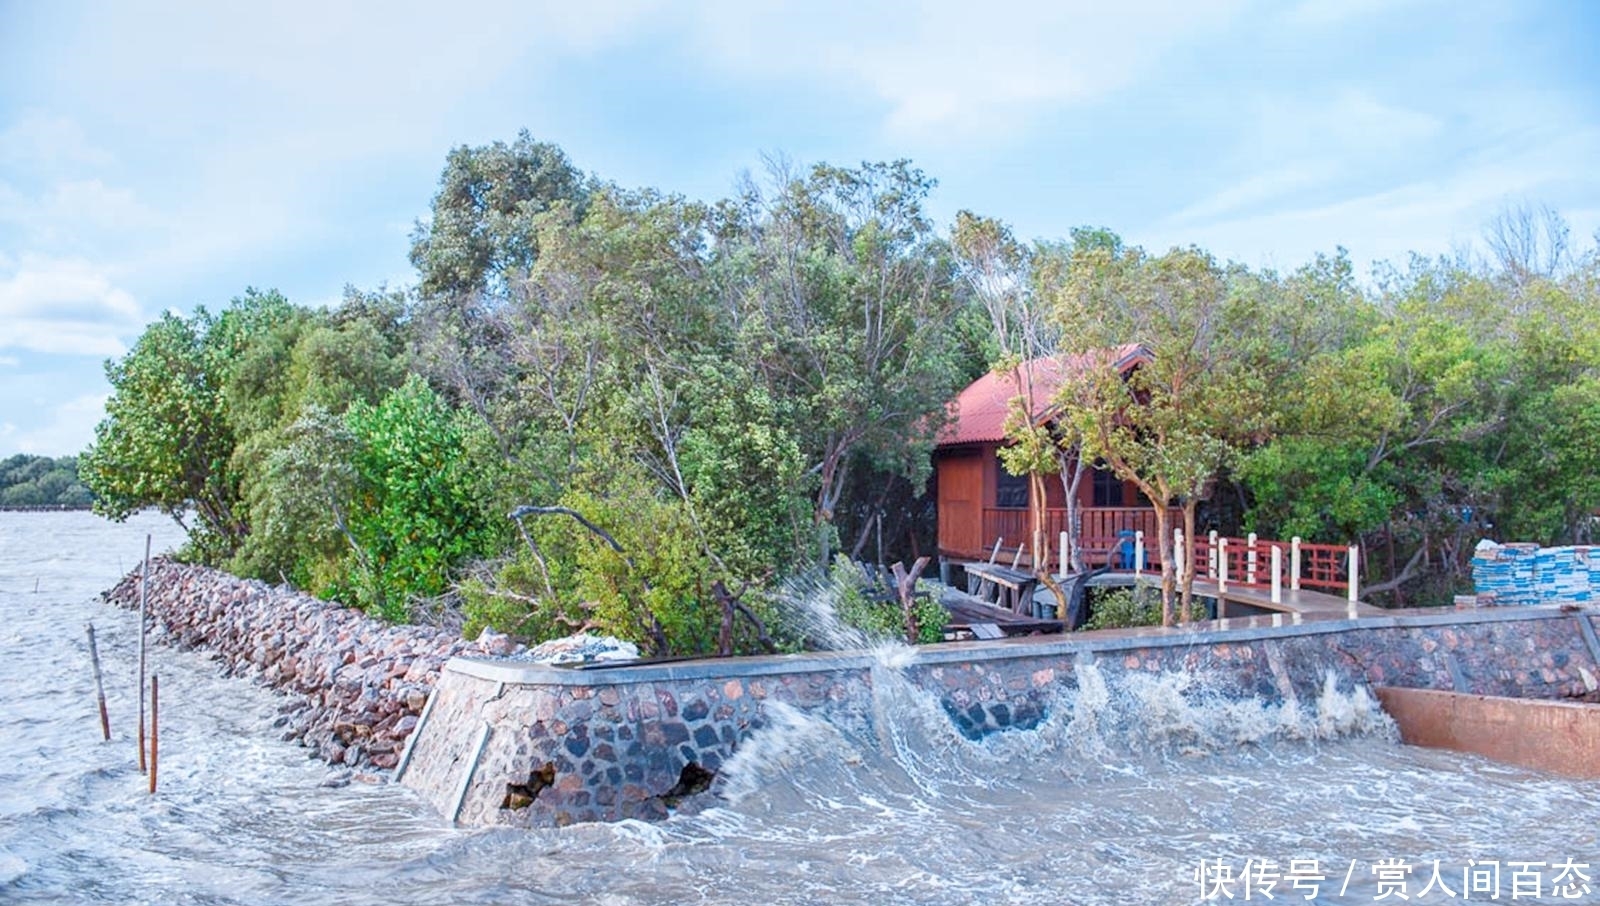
(356, 685)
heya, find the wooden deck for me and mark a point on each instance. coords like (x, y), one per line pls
(1295, 600)
(967, 612)
(1013, 615)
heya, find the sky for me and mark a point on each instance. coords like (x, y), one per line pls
(164, 155)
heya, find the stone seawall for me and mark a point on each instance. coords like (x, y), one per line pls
(357, 685)
(510, 743)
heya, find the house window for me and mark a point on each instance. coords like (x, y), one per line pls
(1107, 488)
(1010, 491)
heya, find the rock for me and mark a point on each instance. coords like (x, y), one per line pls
(494, 643)
(355, 684)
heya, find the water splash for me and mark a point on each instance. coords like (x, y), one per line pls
(810, 603)
(1105, 723)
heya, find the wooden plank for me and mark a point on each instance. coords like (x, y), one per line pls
(1000, 575)
(987, 631)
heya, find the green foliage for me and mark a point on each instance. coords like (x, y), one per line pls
(878, 618)
(1177, 421)
(842, 300)
(655, 592)
(717, 384)
(484, 224)
(27, 481)
(165, 441)
(1317, 491)
(410, 520)
(1125, 608)
(745, 474)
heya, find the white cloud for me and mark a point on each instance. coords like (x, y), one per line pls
(70, 213)
(955, 69)
(1255, 190)
(65, 306)
(42, 140)
(68, 428)
(1432, 215)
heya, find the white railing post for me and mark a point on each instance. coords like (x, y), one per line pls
(1354, 573)
(1222, 564)
(1294, 563)
(1063, 570)
(1211, 565)
(1250, 559)
(1277, 574)
(1138, 552)
(1177, 553)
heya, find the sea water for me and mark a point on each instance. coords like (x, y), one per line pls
(1135, 791)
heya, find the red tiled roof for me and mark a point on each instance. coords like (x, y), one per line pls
(978, 413)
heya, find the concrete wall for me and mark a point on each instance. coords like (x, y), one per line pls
(507, 743)
(1560, 737)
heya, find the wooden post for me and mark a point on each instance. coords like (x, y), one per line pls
(1211, 564)
(996, 552)
(99, 685)
(1277, 574)
(1138, 553)
(144, 596)
(1179, 561)
(1016, 558)
(1355, 575)
(155, 728)
(1294, 563)
(1221, 553)
(1064, 557)
(1250, 559)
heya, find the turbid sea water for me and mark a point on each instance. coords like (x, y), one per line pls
(1143, 793)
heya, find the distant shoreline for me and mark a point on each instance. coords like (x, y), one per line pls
(47, 508)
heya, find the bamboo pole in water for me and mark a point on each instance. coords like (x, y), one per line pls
(144, 594)
(99, 685)
(155, 727)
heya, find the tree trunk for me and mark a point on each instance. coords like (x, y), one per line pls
(1168, 564)
(906, 588)
(1038, 500)
(1189, 507)
(1070, 487)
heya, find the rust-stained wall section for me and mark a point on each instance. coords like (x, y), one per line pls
(1562, 737)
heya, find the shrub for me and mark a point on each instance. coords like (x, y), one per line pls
(1122, 608)
(880, 619)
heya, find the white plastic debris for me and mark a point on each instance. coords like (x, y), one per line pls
(581, 648)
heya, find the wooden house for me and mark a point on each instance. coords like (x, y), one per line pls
(979, 503)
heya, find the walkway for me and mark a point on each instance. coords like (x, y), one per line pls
(1294, 600)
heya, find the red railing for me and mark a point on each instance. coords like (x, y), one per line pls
(1243, 561)
(1101, 531)
(1248, 562)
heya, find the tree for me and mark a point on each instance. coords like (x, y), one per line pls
(27, 481)
(411, 520)
(841, 299)
(997, 269)
(165, 441)
(1175, 422)
(1530, 242)
(288, 383)
(483, 232)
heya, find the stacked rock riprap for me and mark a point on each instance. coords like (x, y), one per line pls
(357, 685)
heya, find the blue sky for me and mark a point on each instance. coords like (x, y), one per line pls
(165, 155)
